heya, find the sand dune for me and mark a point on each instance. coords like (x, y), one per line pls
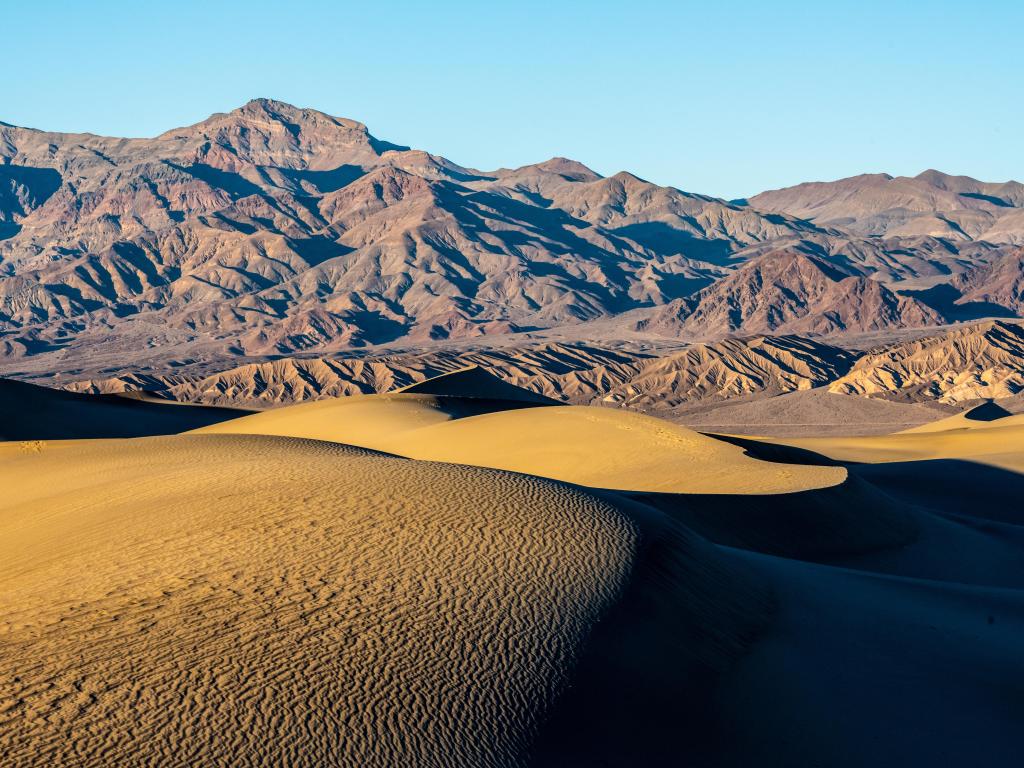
(282, 588)
(194, 599)
(604, 448)
(594, 447)
(29, 412)
(989, 414)
(371, 421)
(998, 443)
(367, 421)
(476, 383)
(215, 599)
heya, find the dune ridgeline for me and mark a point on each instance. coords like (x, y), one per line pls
(467, 573)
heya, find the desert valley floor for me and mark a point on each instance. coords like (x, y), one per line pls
(465, 572)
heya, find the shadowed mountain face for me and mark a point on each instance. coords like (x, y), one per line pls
(789, 292)
(996, 286)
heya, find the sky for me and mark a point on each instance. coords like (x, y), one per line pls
(723, 98)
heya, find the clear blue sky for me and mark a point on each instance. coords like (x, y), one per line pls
(724, 98)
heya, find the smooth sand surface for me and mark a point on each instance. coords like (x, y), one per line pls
(989, 414)
(605, 448)
(591, 446)
(362, 420)
(997, 443)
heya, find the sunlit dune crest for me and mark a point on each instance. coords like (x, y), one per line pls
(595, 447)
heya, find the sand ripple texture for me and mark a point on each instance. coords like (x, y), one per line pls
(236, 600)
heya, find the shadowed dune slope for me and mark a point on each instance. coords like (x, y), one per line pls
(823, 525)
(29, 412)
(867, 670)
(225, 600)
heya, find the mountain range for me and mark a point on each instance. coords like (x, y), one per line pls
(276, 231)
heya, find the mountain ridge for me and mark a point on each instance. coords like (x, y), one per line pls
(932, 203)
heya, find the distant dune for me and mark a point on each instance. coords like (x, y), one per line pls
(998, 442)
(989, 414)
(474, 383)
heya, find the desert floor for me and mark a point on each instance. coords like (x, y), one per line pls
(466, 574)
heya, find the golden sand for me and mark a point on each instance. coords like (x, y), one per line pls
(200, 600)
(997, 443)
(591, 446)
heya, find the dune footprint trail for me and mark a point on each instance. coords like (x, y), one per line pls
(222, 600)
